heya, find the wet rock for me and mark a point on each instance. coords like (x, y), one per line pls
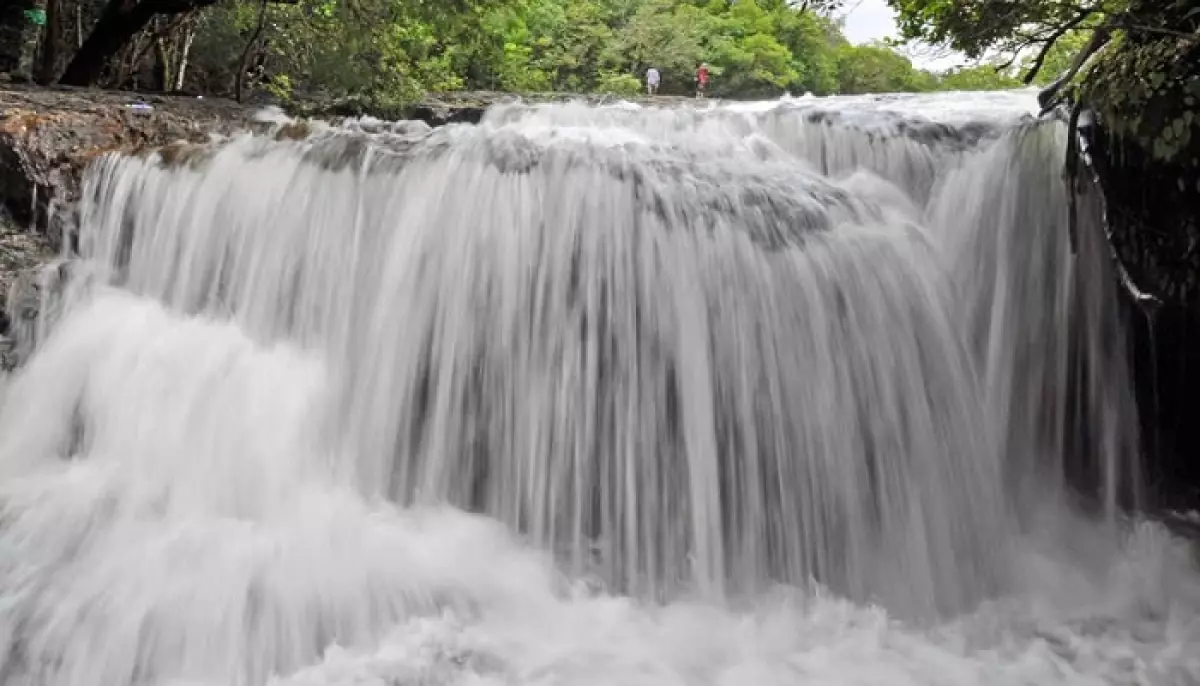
(35, 299)
(19, 250)
(20, 253)
(48, 137)
(467, 106)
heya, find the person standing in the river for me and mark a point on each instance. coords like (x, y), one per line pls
(701, 79)
(652, 80)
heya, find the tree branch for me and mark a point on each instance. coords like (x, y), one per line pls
(1058, 33)
(244, 63)
(158, 35)
(1157, 29)
(1048, 97)
(119, 22)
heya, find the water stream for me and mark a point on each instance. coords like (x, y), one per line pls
(769, 393)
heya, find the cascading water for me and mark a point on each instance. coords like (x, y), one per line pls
(727, 387)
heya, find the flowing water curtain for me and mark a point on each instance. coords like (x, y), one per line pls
(1041, 314)
(675, 360)
(673, 368)
(907, 148)
(1043, 323)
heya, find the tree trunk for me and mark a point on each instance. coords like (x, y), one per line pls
(52, 43)
(29, 38)
(244, 63)
(181, 70)
(120, 21)
(164, 74)
(12, 32)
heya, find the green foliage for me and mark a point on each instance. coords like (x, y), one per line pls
(815, 43)
(1144, 83)
(1059, 57)
(614, 83)
(667, 35)
(1147, 91)
(976, 27)
(744, 55)
(383, 53)
(879, 69)
(984, 77)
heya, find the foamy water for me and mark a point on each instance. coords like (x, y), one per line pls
(740, 396)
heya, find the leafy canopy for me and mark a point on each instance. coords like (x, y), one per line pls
(395, 51)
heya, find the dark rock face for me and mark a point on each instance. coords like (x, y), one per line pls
(1155, 232)
(1142, 93)
(1167, 372)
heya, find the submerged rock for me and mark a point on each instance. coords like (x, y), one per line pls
(20, 253)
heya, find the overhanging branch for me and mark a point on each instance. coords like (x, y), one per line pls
(1051, 40)
(1048, 98)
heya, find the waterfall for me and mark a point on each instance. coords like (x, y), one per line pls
(446, 398)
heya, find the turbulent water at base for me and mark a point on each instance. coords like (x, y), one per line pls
(760, 393)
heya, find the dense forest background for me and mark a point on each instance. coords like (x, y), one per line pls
(401, 50)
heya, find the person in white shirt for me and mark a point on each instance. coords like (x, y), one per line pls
(652, 79)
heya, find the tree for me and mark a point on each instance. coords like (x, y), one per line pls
(668, 35)
(380, 54)
(1059, 57)
(21, 22)
(743, 53)
(1011, 27)
(1061, 35)
(879, 69)
(120, 21)
(814, 41)
(984, 77)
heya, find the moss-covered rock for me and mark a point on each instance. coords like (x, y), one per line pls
(1144, 90)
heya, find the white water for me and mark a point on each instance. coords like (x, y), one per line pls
(718, 384)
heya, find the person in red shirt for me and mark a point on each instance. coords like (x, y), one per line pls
(701, 80)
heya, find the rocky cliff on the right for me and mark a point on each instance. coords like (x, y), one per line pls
(1143, 93)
